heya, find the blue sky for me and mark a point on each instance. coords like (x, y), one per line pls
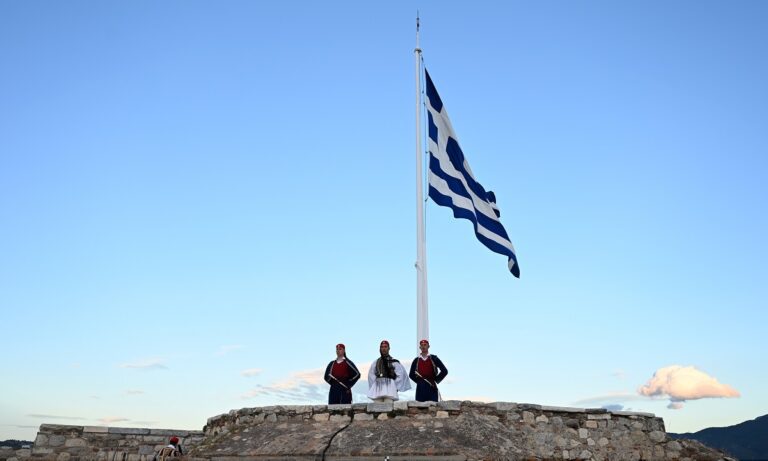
(199, 200)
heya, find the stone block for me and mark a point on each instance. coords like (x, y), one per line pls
(319, 408)
(344, 407)
(363, 417)
(590, 442)
(528, 417)
(674, 446)
(504, 406)
(603, 441)
(583, 433)
(321, 417)
(359, 406)
(127, 431)
(401, 405)
(590, 424)
(63, 457)
(562, 409)
(528, 406)
(382, 416)
(302, 409)
(56, 440)
(450, 405)
(95, 429)
(657, 436)
(41, 451)
(542, 419)
(40, 441)
(77, 442)
(340, 419)
(414, 404)
(585, 454)
(599, 416)
(380, 407)
(271, 418)
(441, 414)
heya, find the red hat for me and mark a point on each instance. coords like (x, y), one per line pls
(341, 346)
(174, 440)
(423, 342)
(384, 342)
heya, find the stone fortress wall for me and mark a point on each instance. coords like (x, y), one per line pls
(56, 442)
(449, 431)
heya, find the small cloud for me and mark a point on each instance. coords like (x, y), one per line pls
(301, 386)
(112, 419)
(69, 418)
(613, 407)
(224, 350)
(134, 392)
(250, 372)
(149, 364)
(680, 383)
(611, 398)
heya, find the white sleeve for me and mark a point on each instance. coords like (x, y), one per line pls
(402, 382)
(372, 374)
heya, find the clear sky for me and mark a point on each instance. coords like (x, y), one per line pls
(198, 200)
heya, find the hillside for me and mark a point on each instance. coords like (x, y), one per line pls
(748, 441)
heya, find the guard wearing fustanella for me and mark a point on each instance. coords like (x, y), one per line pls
(341, 374)
(386, 377)
(427, 371)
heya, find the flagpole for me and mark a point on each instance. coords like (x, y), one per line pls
(422, 310)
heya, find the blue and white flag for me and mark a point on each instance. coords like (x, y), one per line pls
(452, 184)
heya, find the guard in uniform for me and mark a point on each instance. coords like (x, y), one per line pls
(427, 371)
(341, 374)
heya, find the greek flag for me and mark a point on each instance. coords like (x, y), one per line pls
(452, 184)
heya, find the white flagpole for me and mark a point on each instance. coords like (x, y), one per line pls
(422, 310)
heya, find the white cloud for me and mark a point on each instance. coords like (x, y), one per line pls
(675, 405)
(251, 372)
(613, 407)
(73, 418)
(680, 383)
(300, 387)
(611, 398)
(147, 364)
(107, 420)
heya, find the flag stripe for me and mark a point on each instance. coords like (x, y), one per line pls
(452, 184)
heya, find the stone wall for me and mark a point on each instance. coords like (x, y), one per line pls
(414, 431)
(74, 443)
(450, 430)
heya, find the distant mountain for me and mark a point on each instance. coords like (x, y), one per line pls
(748, 441)
(15, 444)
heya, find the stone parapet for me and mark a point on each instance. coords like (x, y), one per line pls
(415, 431)
(55, 442)
(457, 430)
